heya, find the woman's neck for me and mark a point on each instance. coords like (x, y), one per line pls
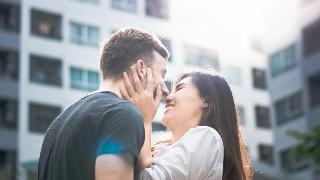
(180, 131)
(177, 134)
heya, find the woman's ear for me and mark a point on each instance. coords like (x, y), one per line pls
(204, 104)
(141, 69)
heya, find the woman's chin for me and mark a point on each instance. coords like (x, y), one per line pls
(165, 120)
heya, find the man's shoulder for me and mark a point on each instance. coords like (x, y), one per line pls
(128, 107)
(114, 107)
(126, 111)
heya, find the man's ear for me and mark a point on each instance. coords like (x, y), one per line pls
(141, 68)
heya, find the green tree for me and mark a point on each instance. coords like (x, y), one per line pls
(308, 145)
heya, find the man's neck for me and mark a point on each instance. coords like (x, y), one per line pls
(112, 86)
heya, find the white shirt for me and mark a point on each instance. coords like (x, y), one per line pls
(197, 155)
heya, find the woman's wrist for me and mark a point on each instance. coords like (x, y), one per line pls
(147, 124)
(145, 153)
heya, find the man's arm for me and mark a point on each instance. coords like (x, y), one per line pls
(114, 167)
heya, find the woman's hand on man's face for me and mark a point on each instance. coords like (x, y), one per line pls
(141, 97)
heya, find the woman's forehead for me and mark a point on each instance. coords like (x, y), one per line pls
(186, 81)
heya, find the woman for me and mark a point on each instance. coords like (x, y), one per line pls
(206, 140)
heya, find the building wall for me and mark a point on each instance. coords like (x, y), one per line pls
(107, 19)
(291, 81)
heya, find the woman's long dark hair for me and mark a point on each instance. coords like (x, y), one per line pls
(221, 114)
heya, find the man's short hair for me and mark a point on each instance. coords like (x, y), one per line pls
(125, 47)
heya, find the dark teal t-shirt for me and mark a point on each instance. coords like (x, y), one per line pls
(99, 123)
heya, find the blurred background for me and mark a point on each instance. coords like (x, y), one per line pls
(269, 50)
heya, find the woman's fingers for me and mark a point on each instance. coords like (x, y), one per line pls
(158, 95)
(128, 84)
(136, 80)
(124, 93)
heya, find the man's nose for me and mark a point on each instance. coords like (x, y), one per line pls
(165, 90)
(168, 98)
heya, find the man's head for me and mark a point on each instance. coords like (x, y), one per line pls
(132, 46)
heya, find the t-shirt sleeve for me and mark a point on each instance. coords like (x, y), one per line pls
(121, 131)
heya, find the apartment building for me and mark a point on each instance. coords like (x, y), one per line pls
(293, 78)
(49, 54)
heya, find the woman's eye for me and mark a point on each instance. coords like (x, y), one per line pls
(178, 88)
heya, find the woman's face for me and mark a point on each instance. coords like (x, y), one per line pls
(183, 106)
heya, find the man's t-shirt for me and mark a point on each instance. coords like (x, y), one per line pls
(100, 123)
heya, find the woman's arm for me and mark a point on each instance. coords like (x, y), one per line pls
(145, 153)
(143, 99)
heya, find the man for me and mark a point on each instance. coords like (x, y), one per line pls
(101, 135)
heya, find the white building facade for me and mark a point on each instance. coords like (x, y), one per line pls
(59, 63)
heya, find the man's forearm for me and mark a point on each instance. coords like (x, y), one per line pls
(114, 167)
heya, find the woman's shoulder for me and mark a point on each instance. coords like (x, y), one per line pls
(204, 131)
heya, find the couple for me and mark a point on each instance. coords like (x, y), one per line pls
(106, 135)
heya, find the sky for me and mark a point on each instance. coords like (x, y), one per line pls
(214, 18)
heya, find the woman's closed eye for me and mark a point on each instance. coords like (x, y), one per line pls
(179, 87)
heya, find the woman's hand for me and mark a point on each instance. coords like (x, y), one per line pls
(141, 97)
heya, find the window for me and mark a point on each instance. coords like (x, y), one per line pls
(41, 116)
(46, 24)
(167, 44)
(9, 17)
(311, 39)
(241, 114)
(157, 8)
(8, 114)
(266, 153)
(84, 34)
(84, 79)
(283, 60)
(262, 116)
(125, 5)
(289, 108)
(233, 75)
(8, 164)
(200, 57)
(45, 70)
(291, 162)
(157, 126)
(9, 65)
(314, 89)
(93, 79)
(259, 78)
